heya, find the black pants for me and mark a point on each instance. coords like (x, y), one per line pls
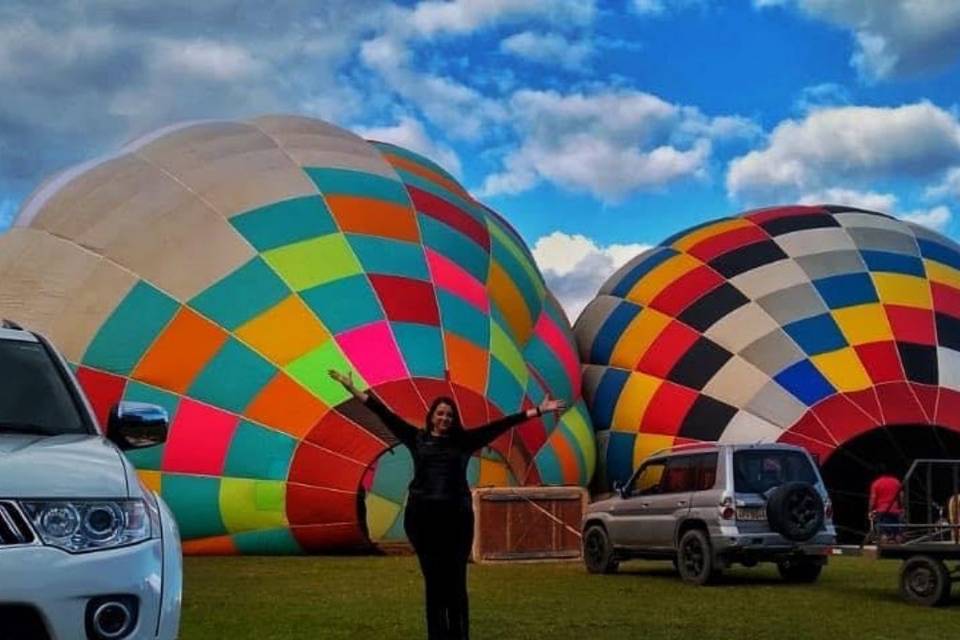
(442, 535)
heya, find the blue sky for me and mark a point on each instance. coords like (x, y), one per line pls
(595, 127)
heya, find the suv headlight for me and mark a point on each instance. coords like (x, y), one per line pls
(89, 525)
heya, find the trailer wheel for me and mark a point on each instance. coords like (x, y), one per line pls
(925, 580)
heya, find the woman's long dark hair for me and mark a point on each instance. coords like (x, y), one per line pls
(456, 426)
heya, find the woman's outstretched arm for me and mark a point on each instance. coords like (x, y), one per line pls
(482, 436)
(400, 428)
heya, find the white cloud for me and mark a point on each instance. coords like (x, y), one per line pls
(548, 49)
(827, 94)
(660, 7)
(937, 218)
(608, 144)
(852, 143)
(410, 134)
(893, 37)
(949, 187)
(431, 18)
(207, 59)
(575, 266)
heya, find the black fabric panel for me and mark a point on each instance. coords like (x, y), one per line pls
(948, 331)
(749, 257)
(701, 361)
(359, 413)
(787, 224)
(706, 419)
(718, 303)
(919, 362)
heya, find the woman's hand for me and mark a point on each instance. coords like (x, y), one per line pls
(346, 379)
(548, 404)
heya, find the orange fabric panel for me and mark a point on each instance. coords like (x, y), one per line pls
(181, 352)
(285, 332)
(567, 458)
(468, 363)
(285, 405)
(216, 546)
(505, 293)
(424, 172)
(374, 217)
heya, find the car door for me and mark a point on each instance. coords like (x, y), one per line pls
(670, 503)
(631, 513)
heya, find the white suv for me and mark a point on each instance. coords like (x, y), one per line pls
(86, 551)
(707, 506)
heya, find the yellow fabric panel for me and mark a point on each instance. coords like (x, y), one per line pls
(843, 369)
(150, 479)
(692, 239)
(285, 332)
(654, 282)
(637, 338)
(942, 273)
(863, 323)
(381, 514)
(493, 474)
(506, 295)
(907, 291)
(647, 443)
(633, 401)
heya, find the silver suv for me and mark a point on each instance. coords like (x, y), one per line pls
(707, 506)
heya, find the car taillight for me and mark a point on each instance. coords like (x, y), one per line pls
(727, 512)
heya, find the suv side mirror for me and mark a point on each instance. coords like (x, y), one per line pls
(134, 425)
(620, 488)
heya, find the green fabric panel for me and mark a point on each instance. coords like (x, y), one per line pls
(195, 502)
(394, 472)
(232, 378)
(344, 304)
(285, 222)
(258, 452)
(311, 369)
(357, 183)
(455, 246)
(130, 329)
(422, 349)
(503, 348)
(248, 505)
(577, 426)
(242, 295)
(460, 317)
(314, 262)
(274, 542)
(393, 257)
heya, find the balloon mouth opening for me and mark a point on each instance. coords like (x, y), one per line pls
(851, 468)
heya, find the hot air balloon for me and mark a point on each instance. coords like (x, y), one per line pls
(219, 269)
(824, 326)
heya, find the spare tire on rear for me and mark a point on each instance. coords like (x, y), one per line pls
(795, 511)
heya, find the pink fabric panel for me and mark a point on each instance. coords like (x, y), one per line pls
(373, 352)
(550, 333)
(199, 439)
(450, 277)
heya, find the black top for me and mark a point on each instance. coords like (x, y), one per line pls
(440, 462)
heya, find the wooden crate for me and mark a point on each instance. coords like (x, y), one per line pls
(527, 523)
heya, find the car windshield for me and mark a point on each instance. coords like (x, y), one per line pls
(33, 395)
(759, 471)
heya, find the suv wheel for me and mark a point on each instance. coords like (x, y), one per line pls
(598, 551)
(925, 580)
(800, 571)
(695, 560)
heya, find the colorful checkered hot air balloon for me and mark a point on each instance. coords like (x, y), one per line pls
(221, 268)
(806, 325)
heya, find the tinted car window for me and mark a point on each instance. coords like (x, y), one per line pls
(647, 479)
(34, 397)
(680, 476)
(760, 471)
(706, 471)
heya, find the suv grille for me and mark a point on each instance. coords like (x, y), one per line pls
(13, 527)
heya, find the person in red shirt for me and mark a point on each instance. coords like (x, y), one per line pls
(886, 505)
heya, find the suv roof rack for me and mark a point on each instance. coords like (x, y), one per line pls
(10, 324)
(686, 445)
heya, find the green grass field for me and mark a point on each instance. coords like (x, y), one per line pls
(381, 597)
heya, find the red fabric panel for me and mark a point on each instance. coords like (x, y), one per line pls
(765, 215)
(867, 400)
(438, 208)
(927, 396)
(406, 299)
(404, 399)
(810, 427)
(315, 505)
(881, 360)
(337, 433)
(946, 299)
(683, 291)
(816, 448)
(430, 390)
(473, 407)
(707, 250)
(669, 346)
(899, 404)
(667, 409)
(948, 409)
(314, 539)
(103, 390)
(532, 434)
(842, 418)
(321, 468)
(911, 325)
